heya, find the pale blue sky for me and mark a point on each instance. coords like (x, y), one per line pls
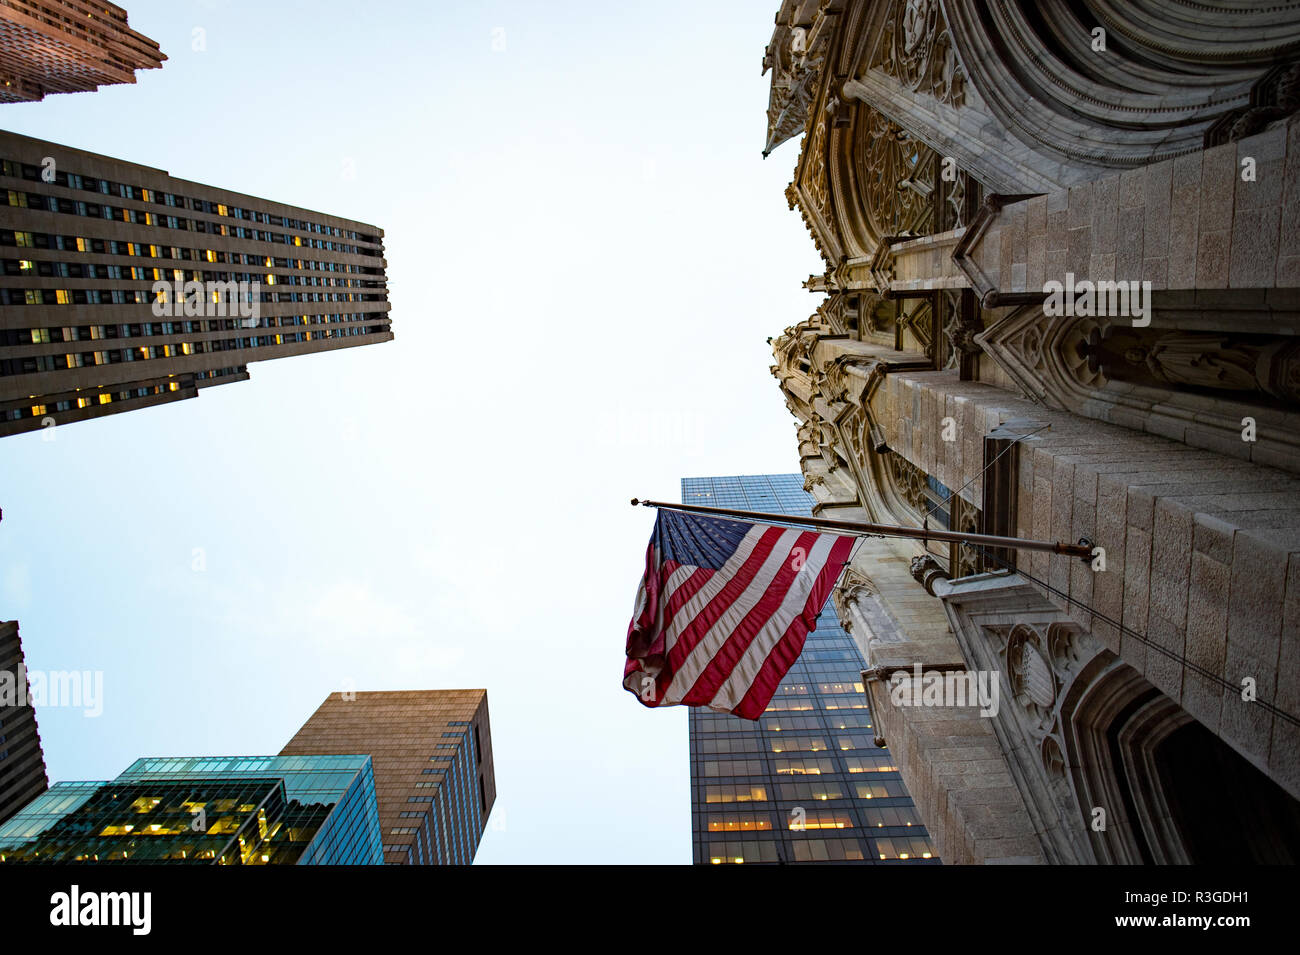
(586, 254)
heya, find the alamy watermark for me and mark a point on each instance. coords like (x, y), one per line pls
(82, 689)
(920, 687)
(1094, 299)
(195, 299)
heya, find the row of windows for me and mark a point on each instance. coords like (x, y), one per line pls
(46, 268)
(117, 296)
(818, 850)
(738, 743)
(89, 401)
(75, 243)
(92, 333)
(805, 689)
(143, 217)
(796, 766)
(19, 170)
(781, 723)
(803, 819)
(40, 363)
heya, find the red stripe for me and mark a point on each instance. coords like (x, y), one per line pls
(650, 583)
(687, 589)
(717, 606)
(787, 650)
(724, 661)
(646, 644)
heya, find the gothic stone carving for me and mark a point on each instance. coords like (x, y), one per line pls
(916, 49)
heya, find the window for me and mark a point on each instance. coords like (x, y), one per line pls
(827, 850)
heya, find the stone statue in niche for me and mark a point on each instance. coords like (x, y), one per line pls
(1197, 361)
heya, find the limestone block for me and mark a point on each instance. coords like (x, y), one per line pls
(1259, 571)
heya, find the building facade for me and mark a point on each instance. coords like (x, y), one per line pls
(242, 810)
(1059, 302)
(68, 46)
(22, 763)
(434, 775)
(122, 287)
(806, 783)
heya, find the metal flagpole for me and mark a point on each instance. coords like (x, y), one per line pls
(1083, 549)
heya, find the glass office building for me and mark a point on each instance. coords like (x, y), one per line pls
(806, 783)
(240, 810)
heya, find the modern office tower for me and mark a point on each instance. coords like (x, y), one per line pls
(238, 810)
(806, 783)
(68, 46)
(122, 287)
(22, 765)
(432, 752)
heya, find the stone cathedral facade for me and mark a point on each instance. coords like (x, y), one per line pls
(1061, 301)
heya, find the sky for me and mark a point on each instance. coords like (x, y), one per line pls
(586, 254)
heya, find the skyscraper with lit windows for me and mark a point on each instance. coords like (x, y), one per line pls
(805, 783)
(122, 287)
(205, 810)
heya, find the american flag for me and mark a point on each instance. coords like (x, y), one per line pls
(723, 610)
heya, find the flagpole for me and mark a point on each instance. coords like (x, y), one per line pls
(1083, 549)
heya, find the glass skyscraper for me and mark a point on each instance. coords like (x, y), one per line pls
(805, 783)
(239, 810)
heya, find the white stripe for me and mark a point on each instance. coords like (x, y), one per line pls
(748, 666)
(704, 651)
(691, 609)
(675, 580)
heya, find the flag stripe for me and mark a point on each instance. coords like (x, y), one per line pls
(743, 655)
(724, 610)
(754, 697)
(686, 628)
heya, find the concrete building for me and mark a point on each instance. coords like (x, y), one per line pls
(22, 764)
(432, 753)
(991, 188)
(122, 287)
(68, 46)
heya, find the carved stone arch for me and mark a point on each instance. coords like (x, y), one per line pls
(895, 173)
(1164, 81)
(1134, 753)
(1083, 731)
(1113, 718)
